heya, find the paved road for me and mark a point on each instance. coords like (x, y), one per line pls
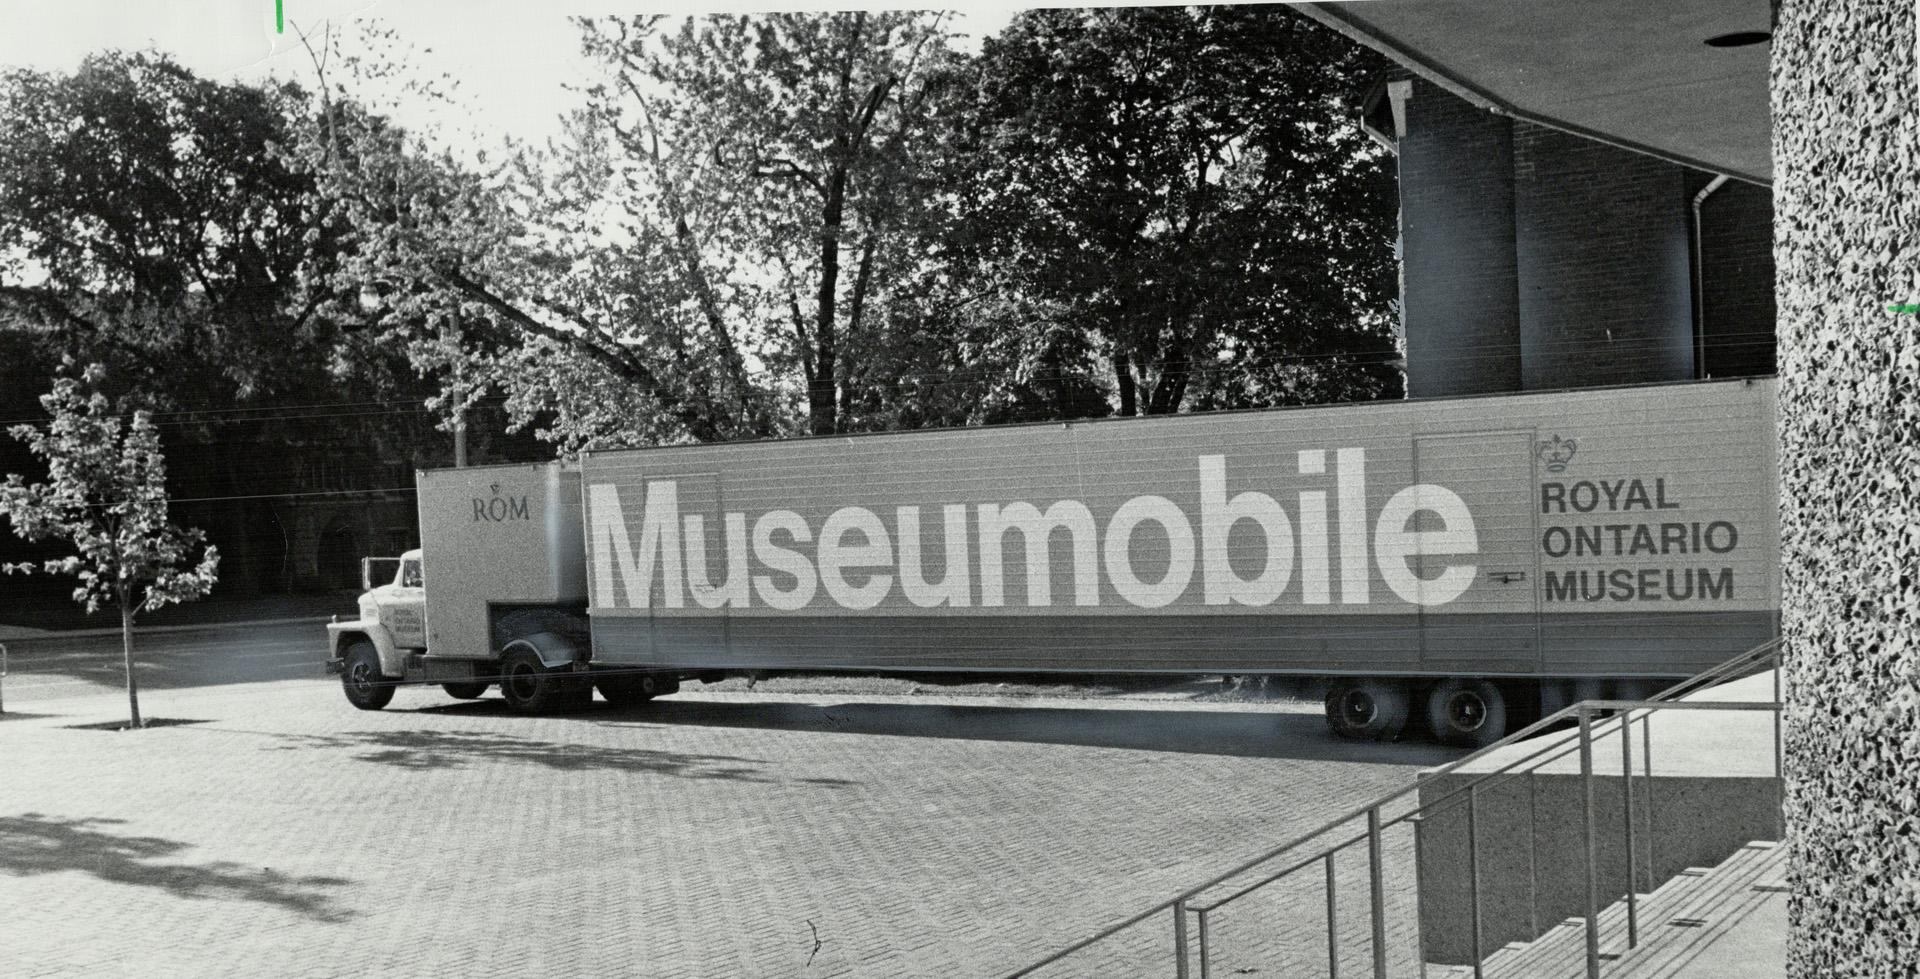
(54, 667)
(716, 834)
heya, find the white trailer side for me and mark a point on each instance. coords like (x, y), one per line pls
(1596, 533)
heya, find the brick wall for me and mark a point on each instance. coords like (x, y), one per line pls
(1604, 262)
(1533, 259)
(1846, 154)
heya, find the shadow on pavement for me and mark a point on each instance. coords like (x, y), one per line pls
(147, 723)
(428, 750)
(1247, 734)
(34, 844)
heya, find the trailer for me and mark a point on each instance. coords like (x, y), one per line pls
(1463, 563)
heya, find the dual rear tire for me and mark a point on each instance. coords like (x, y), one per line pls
(1468, 712)
(530, 686)
(1367, 710)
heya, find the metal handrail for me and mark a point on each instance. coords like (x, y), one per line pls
(1584, 712)
(1735, 667)
(1510, 769)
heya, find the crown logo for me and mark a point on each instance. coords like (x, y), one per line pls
(496, 487)
(1556, 453)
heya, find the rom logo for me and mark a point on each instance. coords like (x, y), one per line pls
(499, 509)
(1556, 453)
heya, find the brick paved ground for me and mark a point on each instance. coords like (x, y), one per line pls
(706, 835)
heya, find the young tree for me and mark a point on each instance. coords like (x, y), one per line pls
(106, 494)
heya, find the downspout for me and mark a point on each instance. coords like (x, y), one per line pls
(1699, 280)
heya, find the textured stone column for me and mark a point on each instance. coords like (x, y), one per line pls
(1846, 153)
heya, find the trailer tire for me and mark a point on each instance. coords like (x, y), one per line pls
(1467, 712)
(530, 686)
(466, 691)
(360, 677)
(1367, 710)
(624, 689)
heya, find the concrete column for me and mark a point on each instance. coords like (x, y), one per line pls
(1456, 226)
(1846, 153)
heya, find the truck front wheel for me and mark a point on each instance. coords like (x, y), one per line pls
(1366, 710)
(530, 686)
(366, 687)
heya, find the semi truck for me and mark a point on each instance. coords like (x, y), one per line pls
(1458, 564)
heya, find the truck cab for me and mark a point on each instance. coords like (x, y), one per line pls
(391, 625)
(505, 605)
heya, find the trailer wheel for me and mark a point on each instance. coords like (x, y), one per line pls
(1367, 710)
(623, 689)
(360, 677)
(1467, 712)
(530, 686)
(465, 691)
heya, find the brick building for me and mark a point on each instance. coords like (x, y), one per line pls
(1536, 258)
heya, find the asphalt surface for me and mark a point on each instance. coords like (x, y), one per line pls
(55, 666)
(273, 830)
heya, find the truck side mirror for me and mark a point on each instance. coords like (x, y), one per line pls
(366, 574)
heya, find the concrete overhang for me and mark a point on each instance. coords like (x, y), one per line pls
(1636, 73)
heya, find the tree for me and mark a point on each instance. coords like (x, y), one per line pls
(783, 162)
(106, 494)
(716, 253)
(143, 218)
(1186, 184)
(149, 223)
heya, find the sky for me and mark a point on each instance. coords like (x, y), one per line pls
(511, 59)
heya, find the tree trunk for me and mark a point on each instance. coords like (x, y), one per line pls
(126, 647)
(822, 403)
(1123, 376)
(1170, 390)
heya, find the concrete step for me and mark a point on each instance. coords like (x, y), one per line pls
(1676, 921)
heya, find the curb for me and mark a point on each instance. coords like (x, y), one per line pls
(43, 635)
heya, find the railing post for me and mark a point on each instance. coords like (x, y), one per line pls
(1779, 766)
(1180, 939)
(1419, 926)
(1473, 871)
(1377, 900)
(1626, 794)
(3, 678)
(1593, 858)
(1646, 759)
(1533, 856)
(1206, 967)
(1333, 928)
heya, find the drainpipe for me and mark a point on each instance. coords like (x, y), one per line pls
(1699, 280)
